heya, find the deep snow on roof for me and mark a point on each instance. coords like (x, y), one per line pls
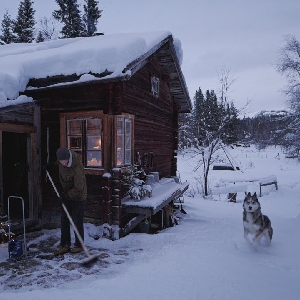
(112, 53)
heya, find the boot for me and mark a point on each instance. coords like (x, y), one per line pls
(62, 250)
(76, 249)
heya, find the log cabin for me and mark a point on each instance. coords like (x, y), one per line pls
(115, 100)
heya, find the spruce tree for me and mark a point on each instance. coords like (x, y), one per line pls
(91, 16)
(198, 116)
(69, 15)
(40, 37)
(24, 24)
(6, 27)
(230, 134)
(213, 112)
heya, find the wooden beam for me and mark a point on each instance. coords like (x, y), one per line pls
(131, 224)
(17, 128)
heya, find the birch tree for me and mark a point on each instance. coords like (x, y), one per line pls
(289, 66)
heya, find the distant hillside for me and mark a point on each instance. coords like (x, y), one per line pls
(262, 128)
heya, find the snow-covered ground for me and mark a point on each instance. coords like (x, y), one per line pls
(206, 256)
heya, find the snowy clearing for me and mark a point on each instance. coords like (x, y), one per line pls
(205, 257)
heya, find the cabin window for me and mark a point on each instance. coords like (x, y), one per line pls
(155, 86)
(103, 141)
(124, 141)
(85, 137)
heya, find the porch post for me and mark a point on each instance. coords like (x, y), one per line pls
(35, 190)
(106, 200)
(117, 197)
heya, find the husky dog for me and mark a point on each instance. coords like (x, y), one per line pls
(255, 223)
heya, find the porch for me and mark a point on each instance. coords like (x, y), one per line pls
(157, 207)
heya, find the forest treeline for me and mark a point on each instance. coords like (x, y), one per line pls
(264, 129)
(67, 21)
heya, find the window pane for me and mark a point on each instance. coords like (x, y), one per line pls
(128, 143)
(94, 127)
(94, 143)
(74, 127)
(120, 157)
(120, 143)
(124, 132)
(127, 126)
(94, 158)
(75, 142)
(128, 157)
(120, 126)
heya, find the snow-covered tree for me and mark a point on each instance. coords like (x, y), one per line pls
(289, 65)
(230, 134)
(185, 132)
(40, 38)
(226, 80)
(24, 24)
(7, 30)
(69, 14)
(198, 115)
(91, 16)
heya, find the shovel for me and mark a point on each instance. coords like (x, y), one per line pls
(91, 259)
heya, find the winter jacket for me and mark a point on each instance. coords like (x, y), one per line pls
(72, 178)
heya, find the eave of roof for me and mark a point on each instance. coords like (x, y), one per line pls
(168, 59)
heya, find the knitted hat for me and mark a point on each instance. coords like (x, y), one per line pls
(63, 154)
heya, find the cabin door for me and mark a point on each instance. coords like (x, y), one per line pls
(15, 172)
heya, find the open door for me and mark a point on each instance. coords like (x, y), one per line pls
(15, 172)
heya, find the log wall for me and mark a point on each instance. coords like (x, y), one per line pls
(156, 119)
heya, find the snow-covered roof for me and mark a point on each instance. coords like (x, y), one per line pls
(113, 56)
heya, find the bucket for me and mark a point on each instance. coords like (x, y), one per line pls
(15, 249)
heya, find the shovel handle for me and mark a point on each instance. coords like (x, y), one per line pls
(55, 189)
(70, 218)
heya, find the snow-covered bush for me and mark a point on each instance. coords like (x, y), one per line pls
(134, 178)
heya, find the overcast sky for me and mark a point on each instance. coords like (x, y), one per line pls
(242, 36)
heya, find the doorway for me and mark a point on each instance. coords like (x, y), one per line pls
(15, 172)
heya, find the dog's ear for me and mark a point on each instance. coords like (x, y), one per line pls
(249, 194)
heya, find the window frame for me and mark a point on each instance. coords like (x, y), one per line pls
(115, 160)
(155, 86)
(83, 136)
(109, 137)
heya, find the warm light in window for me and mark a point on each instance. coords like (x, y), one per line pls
(85, 136)
(97, 145)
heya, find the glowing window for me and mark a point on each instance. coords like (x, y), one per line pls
(85, 137)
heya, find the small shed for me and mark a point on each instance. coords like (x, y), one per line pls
(114, 99)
